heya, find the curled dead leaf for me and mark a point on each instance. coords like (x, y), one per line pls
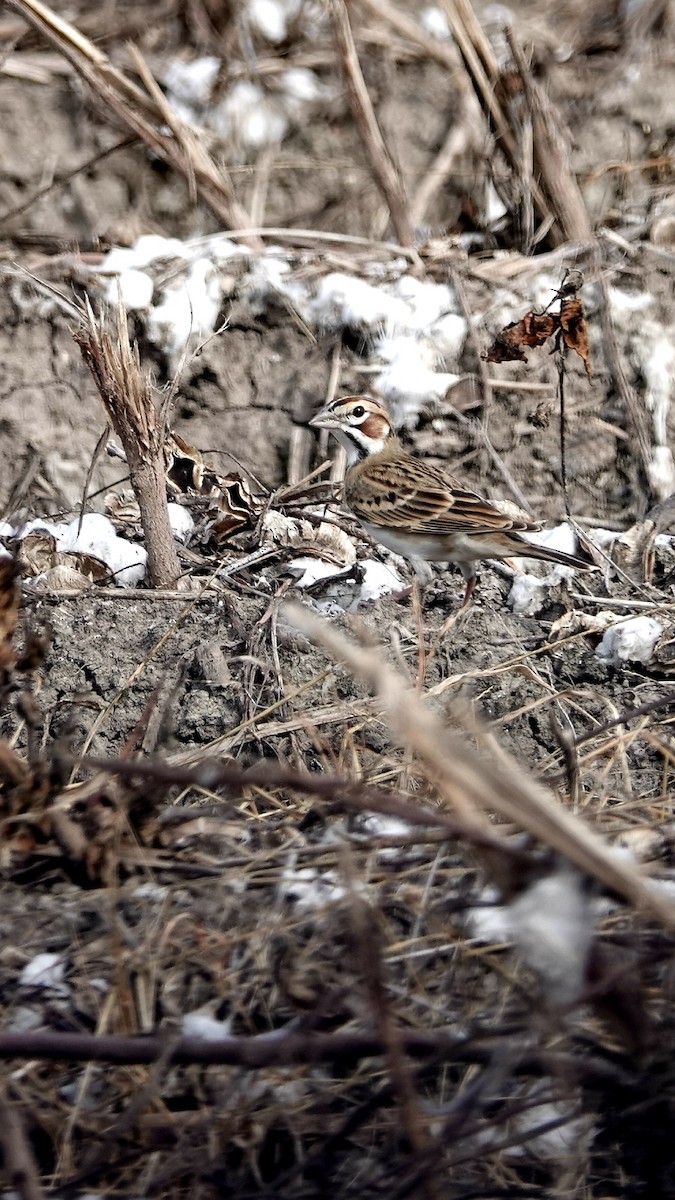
(532, 330)
(574, 329)
(568, 325)
(9, 611)
(187, 474)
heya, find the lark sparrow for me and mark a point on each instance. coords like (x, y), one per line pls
(416, 510)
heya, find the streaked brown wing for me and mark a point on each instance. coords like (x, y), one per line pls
(414, 497)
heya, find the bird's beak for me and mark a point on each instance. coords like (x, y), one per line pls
(324, 419)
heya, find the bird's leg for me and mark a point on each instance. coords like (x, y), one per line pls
(469, 572)
(423, 576)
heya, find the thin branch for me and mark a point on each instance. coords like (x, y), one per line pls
(63, 179)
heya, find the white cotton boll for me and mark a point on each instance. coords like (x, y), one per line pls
(604, 538)
(181, 521)
(527, 595)
(268, 276)
(191, 82)
(661, 471)
(269, 19)
(263, 126)
(556, 1144)
(379, 579)
(658, 367)
(406, 352)
(378, 825)
(344, 300)
(126, 266)
(127, 561)
(542, 290)
(44, 971)
(202, 1024)
(553, 929)
(152, 247)
(309, 570)
(189, 308)
(223, 249)
(491, 922)
(147, 249)
(427, 302)
(154, 892)
(560, 537)
(135, 287)
(37, 525)
(381, 825)
(624, 306)
(6, 531)
(94, 535)
(120, 258)
(448, 336)
(97, 536)
(307, 889)
(409, 378)
(632, 640)
(434, 22)
(302, 85)
(495, 208)
(249, 116)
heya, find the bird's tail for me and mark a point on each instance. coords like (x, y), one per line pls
(549, 554)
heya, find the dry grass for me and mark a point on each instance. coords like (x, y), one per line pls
(366, 1028)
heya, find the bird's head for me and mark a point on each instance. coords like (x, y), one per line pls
(360, 424)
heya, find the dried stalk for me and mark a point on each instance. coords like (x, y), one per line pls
(550, 142)
(551, 188)
(382, 165)
(129, 404)
(20, 1169)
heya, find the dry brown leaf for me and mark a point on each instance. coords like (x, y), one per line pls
(532, 330)
(574, 329)
(568, 325)
(9, 611)
(188, 474)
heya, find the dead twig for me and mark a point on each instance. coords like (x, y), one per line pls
(283, 1048)
(63, 179)
(20, 1169)
(550, 142)
(560, 363)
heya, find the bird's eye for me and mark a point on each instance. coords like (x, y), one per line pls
(359, 411)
